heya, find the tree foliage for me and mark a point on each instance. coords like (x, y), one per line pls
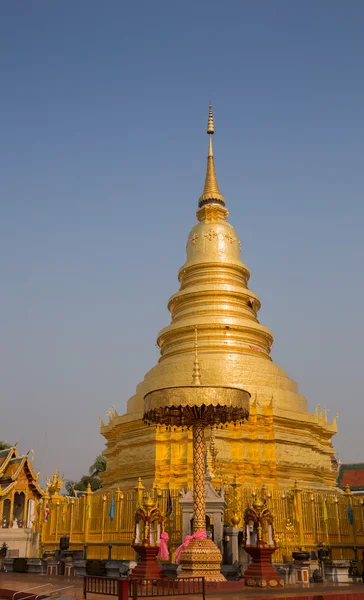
(4, 445)
(72, 487)
(98, 466)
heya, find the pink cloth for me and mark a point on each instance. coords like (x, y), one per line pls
(199, 535)
(163, 548)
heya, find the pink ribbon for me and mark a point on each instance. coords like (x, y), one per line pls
(199, 535)
(163, 548)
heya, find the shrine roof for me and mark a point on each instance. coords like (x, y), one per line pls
(5, 484)
(11, 466)
(351, 474)
(16, 461)
(4, 454)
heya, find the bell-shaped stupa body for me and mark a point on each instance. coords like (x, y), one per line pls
(282, 441)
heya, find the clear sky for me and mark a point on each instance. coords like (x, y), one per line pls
(103, 111)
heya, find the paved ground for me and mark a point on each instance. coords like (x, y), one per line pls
(19, 581)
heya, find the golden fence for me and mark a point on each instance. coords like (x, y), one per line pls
(87, 522)
(302, 518)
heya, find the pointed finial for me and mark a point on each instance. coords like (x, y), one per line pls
(211, 193)
(196, 376)
(210, 122)
(334, 421)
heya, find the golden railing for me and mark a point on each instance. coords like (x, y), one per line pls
(87, 522)
(302, 518)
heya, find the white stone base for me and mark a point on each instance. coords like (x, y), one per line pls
(338, 573)
(20, 541)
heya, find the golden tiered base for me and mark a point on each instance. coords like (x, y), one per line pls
(202, 558)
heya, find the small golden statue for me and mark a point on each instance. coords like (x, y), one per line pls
(54, 485)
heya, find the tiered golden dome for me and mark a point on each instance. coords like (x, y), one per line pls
(282, 440)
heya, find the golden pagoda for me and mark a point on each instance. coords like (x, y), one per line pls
(282, 441)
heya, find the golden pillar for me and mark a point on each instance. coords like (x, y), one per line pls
(87, 515)
(11, 509)
(198, 406)
(41, 522)
(313, 513)
(201, 558)
(57, 519)
(71, 517)
(104, 498)
(119, 508)
(299, 515)
(349, 496)
(199, 507)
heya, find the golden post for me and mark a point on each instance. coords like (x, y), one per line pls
(11, 511)
(119, 505)
(71, 517)
(326, 519)
(349, 496)
(41, 523)
(299, 516)
(314, 525)
(57, 516)
(104, 498)
(199, 508)
(87, 513)
(337, 516)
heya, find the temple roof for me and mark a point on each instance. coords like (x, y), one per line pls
(351, 474)
(11, 466)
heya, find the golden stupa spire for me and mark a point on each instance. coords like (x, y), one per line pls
(196, 376)
(211, 193)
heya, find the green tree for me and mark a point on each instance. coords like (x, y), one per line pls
(4, 445)
(72, 487)
(99, 465)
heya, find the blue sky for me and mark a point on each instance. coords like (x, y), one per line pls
(102, 116)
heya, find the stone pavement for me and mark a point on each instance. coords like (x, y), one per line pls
(342, 591)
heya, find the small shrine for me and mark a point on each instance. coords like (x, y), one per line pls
(20, 496)
(149, 523)
(260, 544)
(20, 491)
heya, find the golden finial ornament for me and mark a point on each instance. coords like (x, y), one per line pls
(196, 376)
(210, 122)
(211, 193)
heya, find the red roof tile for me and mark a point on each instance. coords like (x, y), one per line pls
(352, 477)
